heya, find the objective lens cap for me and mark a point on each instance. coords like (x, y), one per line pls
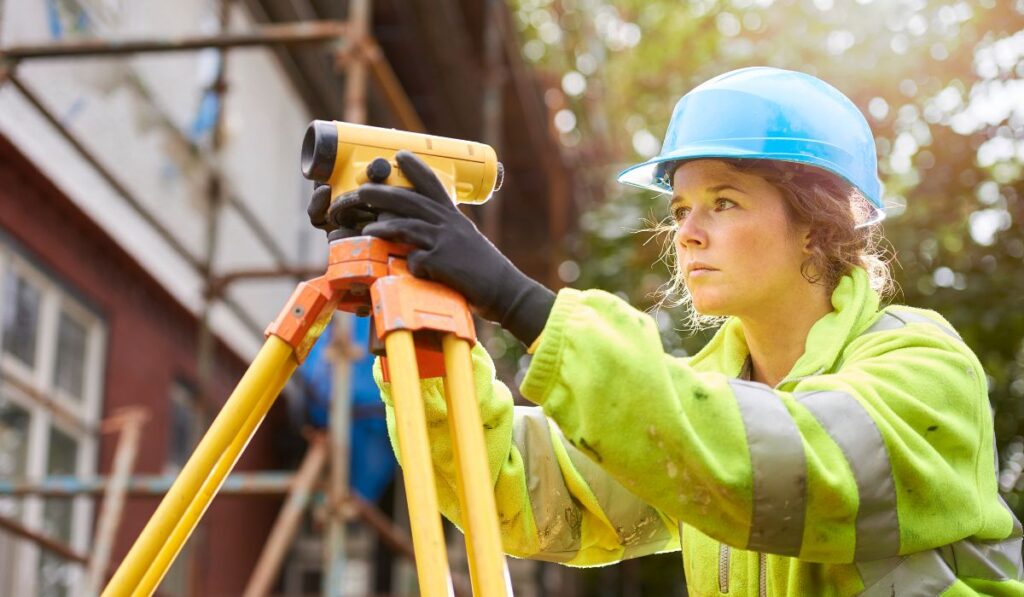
(500, 178)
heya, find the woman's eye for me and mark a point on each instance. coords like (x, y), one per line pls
(680, 213)
(723, 203)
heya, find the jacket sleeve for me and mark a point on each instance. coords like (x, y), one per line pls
(883, 457)
(553, 502)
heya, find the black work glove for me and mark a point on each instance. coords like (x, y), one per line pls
(351, 221)
(449, 248)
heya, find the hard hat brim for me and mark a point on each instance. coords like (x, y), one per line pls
(651, 174)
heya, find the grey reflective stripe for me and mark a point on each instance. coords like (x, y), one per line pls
(886, 322)
(893, 319)
(638, 526)
(932, 572)
(1018, 529)
(923, 574)
(855, 432)
(989, 560)
(556, 515)
(779, 470)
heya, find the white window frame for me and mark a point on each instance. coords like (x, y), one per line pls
(35, 390)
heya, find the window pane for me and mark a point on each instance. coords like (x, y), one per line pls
(21, 317)
(14, 423)
(54, 575)
(62, 459)
(63, 454)
(175, 582)
(186, 426)
(70, 356)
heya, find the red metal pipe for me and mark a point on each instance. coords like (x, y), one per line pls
(19, 530)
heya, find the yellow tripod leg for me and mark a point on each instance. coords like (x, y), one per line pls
(476, 492)
(417, 468)
(202, 500)
(266, 369)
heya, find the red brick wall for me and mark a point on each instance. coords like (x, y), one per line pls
(151, 343)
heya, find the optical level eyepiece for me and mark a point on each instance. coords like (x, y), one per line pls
(319, 150)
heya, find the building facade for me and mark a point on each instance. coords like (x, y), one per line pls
(129, 183)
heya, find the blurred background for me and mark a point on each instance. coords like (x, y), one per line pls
(152, 222)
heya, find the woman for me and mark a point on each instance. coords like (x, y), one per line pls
(818, 445)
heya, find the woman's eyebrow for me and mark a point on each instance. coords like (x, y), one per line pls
(715, 189)
(722, 187)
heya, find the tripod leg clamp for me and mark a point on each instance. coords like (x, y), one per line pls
(304, 316)
(403, 302)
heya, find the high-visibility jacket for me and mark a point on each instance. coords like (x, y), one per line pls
(868, 470)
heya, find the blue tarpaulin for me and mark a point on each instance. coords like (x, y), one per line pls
(372, 463)
(65, 17)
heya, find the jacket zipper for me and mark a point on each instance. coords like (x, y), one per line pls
(723, 568)
(723, 571)
(762, 575)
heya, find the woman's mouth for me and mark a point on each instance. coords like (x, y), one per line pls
(697, 269)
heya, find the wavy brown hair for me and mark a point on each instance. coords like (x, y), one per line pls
(842, 236)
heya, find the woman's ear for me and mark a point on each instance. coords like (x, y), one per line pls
(807, 241)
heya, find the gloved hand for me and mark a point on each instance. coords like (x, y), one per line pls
(352, 220)
(449, 248)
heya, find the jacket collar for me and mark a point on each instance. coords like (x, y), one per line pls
(854, 306)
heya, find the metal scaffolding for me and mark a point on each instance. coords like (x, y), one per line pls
(359, 55)
(324, 469)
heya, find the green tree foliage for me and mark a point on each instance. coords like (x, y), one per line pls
(942, 84)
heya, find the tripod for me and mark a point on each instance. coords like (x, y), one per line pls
(427, 330)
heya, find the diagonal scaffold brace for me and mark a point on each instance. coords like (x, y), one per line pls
(427, 331)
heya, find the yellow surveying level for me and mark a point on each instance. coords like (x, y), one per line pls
(426, 330)
(343, 154)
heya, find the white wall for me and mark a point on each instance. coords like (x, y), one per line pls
(131, 113)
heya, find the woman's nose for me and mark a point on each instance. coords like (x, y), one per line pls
(691, 233)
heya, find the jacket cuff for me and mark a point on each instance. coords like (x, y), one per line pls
(547, 358)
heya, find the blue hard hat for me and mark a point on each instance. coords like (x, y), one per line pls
(767, 113)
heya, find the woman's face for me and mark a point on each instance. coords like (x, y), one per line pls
(738, 252)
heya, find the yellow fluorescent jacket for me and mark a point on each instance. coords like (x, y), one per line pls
(869, 470)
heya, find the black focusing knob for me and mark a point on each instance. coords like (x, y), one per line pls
(378, 170)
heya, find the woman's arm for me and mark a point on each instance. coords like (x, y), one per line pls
(553, 503)
(891, 454)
